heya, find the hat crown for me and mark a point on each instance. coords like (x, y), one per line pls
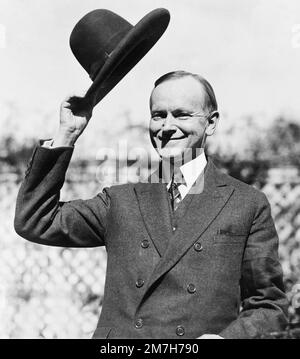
(108, 47)
(95, 36)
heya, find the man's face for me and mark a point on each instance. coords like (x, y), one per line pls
(172, 128)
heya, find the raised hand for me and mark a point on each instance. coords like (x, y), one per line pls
(75, 113)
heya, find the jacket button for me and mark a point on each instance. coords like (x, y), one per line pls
(139, 323)
(180, 330)
(191, 288)
(198, 247)
(145, 243)
(139, 283)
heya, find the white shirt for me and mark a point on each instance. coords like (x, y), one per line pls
(190, 171)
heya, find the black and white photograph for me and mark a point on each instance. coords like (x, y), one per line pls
(150, 170)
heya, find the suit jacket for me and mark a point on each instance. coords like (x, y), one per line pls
(217, 272)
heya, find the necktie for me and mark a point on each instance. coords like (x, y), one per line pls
(174, 194)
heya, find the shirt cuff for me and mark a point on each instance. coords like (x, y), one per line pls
(47, 144)
(50, 144)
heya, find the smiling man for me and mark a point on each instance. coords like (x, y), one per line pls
(193, 255)
(183, 112)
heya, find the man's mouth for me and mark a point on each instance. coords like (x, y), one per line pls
(171, 140)
(167, 139)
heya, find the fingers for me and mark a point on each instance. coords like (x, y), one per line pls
(68, 100)
(80, 106)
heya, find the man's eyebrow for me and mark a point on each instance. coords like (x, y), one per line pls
(156, 112)
(181, 110)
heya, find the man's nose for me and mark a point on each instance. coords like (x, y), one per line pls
(169, 125)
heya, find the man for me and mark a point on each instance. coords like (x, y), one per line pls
(192, 259)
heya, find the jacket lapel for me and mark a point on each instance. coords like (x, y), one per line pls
(203, 209)
(155, 209)
(185, 203)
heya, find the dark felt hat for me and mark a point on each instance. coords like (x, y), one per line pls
(108, 47)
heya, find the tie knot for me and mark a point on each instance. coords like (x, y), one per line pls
(178, 178)
(174, 186)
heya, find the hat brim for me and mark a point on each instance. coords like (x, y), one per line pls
(131, 49)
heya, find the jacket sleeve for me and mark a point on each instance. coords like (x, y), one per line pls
(41, 218)
(264, 304)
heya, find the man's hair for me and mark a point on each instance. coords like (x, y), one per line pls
(211, 102)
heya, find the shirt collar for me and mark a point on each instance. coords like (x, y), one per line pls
(192, 169)
(187, 173)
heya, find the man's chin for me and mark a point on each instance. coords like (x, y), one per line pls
(171, 154)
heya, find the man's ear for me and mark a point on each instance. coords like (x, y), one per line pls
(212, 122)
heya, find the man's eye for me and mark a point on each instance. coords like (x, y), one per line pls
(183, 115)
(157, 117)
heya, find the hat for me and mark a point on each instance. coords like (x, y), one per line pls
(108, 47)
